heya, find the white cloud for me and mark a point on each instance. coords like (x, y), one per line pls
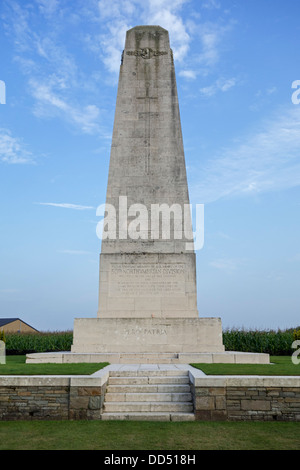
(211, 4)
(15, 22)
(49, 101)
(65, 205)
(54, 79)
(116, 17)
(168, 17)
(271, 90)
(211, 36)
(219, 85)
(111, 44)
(227, 84)
(13, 150)
(48, 7)
(267, 160)
(189, 74)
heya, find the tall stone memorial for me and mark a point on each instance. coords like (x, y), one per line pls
(147, 283)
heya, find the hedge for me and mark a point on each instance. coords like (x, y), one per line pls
(275, 343)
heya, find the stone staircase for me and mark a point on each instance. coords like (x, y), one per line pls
(154, 395)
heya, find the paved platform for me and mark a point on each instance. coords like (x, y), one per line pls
(230, 357)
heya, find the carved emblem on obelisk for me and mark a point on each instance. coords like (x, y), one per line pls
(146, 53)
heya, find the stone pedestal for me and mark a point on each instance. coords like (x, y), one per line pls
(148, 335)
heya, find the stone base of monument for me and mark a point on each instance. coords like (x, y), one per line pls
(226, 357)
(148, 341)
(147, 335)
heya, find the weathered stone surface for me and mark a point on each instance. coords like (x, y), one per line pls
(153, 275)
(147, 286)
(206, 398)
(147, 335)
(127, 401)
(147, 163)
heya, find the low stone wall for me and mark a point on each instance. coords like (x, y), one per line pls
(51, 398)
(215, 398)
(246, 398)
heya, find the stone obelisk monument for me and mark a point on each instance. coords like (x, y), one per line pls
(147, 285)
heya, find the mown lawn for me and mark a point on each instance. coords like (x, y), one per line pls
(149, 436)
(280, 365)
(16, 365)
(135, 435)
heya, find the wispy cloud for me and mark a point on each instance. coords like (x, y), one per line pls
(54, 80)
(48, 7)
(196, 42)
(65, 205)
(189, 74)
(51, 68)
(261, 98)
(267, 160)
(219, 85)
(211, 36)
(13, 150)
(167, 13)
(116, 17)
(204, 45)
(49, 102)
(211, 4)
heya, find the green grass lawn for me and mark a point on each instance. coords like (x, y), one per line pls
(138, 435)
(127, 435)
(15, 365)
(280, 365)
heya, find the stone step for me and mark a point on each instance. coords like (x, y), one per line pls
(153, 388)
(151, 380)
(127, 407)
(148, 373)
(148, 416)
(148, 394)
(142, 397)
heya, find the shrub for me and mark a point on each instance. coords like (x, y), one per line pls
(296, 334)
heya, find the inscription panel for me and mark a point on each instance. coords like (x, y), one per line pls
(146, 280)
(145, 331)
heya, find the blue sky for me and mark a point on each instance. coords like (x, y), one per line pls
(235, 64)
